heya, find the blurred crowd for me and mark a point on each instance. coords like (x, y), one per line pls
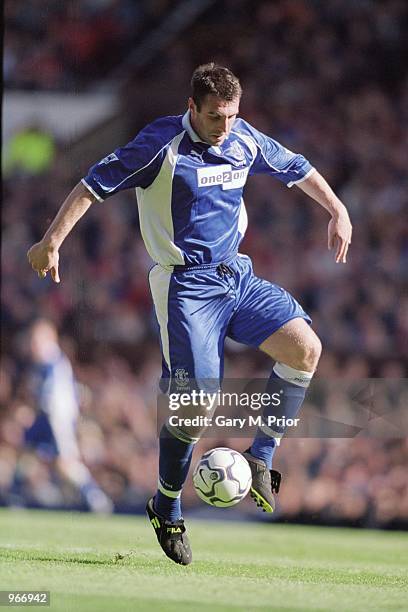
(65, 46)
(325, 80)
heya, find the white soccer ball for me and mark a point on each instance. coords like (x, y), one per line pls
(222, 477)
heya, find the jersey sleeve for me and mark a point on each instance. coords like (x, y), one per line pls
(135, 165)
(273, 158)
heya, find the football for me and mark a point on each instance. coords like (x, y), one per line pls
(222, 477)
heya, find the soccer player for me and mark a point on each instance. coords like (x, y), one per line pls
(53, 431)
(189, 172)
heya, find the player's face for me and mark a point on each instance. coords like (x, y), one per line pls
(214, 121)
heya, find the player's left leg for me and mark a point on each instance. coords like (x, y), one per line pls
(270, 318)
(296, 350)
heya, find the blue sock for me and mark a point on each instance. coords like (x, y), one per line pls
(292, 395)
(174, 463)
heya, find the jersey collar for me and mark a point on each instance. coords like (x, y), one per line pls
(188, 127)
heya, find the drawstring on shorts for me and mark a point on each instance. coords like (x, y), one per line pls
(224, 270)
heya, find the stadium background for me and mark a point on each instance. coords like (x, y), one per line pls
(325, 78)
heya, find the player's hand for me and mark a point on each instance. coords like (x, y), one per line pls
(339, 234)
(44, 258)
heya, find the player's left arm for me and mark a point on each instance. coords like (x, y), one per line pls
(270, 157)
(340, 228)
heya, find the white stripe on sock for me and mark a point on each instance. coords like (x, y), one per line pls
(172, 494)
(271, 434)
(291, 375)
(180, 435)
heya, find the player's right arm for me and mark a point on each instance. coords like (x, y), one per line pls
(44, 255)
(137, 164)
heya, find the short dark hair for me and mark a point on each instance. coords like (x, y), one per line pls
(214, 80)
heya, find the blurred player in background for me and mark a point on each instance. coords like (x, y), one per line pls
(189, 172)
(54, 429)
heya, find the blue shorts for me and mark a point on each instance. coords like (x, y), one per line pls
(198, 307)
(47, 443)
(40, 437)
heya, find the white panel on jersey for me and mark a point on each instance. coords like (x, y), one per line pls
(62, 408)
(224, 174)
(242, 219)
(154, 203)
(159, 280)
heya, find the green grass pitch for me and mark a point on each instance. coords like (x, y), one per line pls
(112, 564)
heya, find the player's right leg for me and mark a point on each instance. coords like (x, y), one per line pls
(193, 309)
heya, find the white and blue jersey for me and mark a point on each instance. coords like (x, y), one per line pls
(192, 219)
(54, 429)
(189, 193)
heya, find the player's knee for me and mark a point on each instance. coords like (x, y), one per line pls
(190, 434)
(190, 422)
(304, 354)
(309, 353)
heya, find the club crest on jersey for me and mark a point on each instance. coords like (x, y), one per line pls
(224, 175)
(235, 151)
(181, 376)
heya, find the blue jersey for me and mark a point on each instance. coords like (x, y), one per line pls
(189, 193)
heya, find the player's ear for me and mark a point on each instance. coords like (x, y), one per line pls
(192, 107)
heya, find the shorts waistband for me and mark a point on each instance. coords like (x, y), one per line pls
(209, 266)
